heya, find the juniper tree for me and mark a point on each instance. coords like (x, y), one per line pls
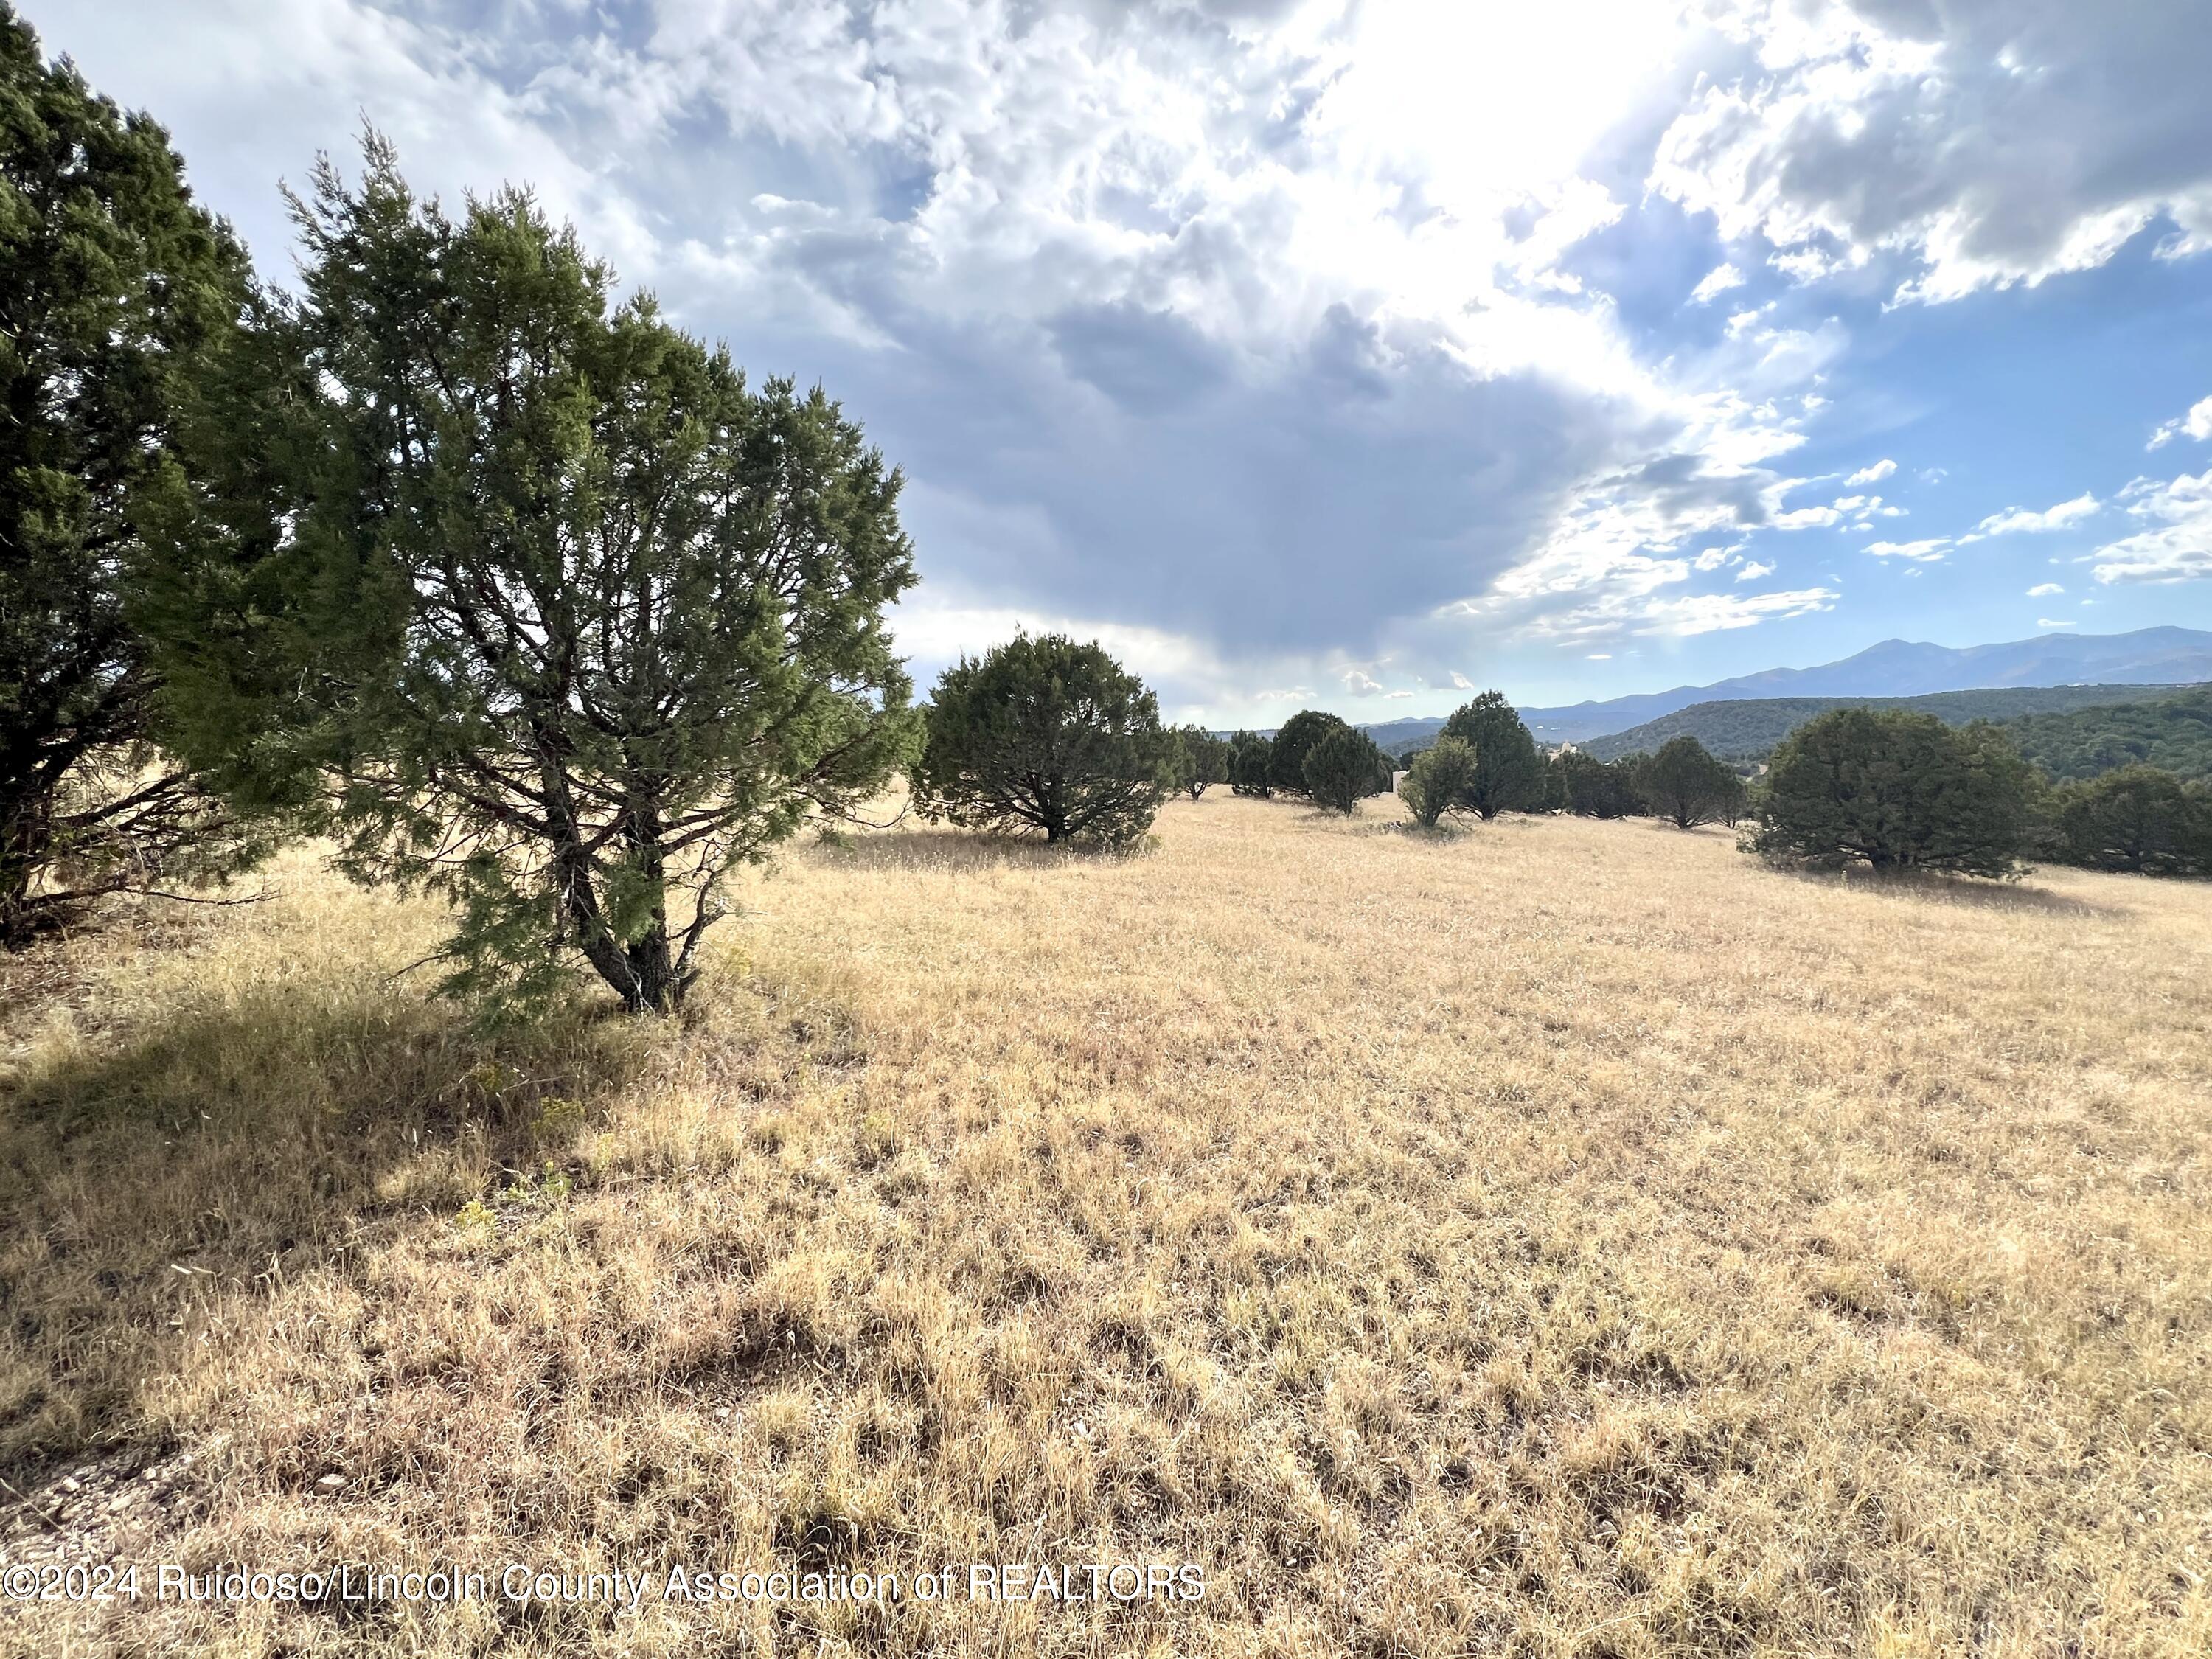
(1899, 790)
(560, 618)
(1341, 769)
(1201, 760)
(1287, 751)
(118, 295)
(1438, 780)
(1509, 774)
(2137, 818)
(1251, 764)
(1687, 787)
(1045, 734)
(1590, 787)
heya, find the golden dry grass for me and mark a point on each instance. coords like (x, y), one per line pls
(1565, 1238)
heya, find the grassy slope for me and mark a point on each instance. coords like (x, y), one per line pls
(1747, 729)
(1568, 1238)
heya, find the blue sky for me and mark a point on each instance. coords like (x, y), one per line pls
(1316, 352)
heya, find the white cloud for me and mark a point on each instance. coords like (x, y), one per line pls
(2177, 548)
(1360, 684)
(1705, 613)
(1875, 474)
(2196, 423)
(2044, 590)
(2055, 621)
(2015, 520)
(1925, 551)
(1717, 281)
(1460, 682)
(1598, 656)
(1986, 144)
(1754, 571)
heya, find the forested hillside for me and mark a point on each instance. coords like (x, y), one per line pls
(2173, 733)
(1745, 730)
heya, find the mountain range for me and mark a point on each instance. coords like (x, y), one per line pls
(1904, 668)
(1894, 668)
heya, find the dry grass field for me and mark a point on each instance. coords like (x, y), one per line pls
(1562, 1239)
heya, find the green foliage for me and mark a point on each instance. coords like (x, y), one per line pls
(1438, 780)
(1251, 764)
(1508, 773)
(1590, 787)
(2172, 733)
(1687, 787)
(548, 611)
(2138, 819)
(2115, 724)
(1045, 734)
(119, 296)
(1287, 755)
(1201, 760)
(1897, 790)
(1343, 767)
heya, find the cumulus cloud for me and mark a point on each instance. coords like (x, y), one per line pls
(1875, 474)
(1985, 143)
(2177, 545)
(1754, 571)
(1925, 551)
(2015, 520)
(2196, 423)
(2044, 590)
(1705, 613)
(2054, 621)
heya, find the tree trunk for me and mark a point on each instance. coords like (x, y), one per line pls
(653, 987)
(25, 836)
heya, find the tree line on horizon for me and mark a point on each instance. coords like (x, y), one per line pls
(1891, 788)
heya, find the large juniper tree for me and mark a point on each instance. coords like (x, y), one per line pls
(118, 295)
(1044, 734)
(1287, 752)
(561, 618)
(1899, 790)
(2134, 817)
(1508, 773)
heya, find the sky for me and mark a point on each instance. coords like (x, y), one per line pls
(1319, 353)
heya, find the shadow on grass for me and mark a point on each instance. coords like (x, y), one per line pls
(236, 1140)
(1923, 886)
(958, 850)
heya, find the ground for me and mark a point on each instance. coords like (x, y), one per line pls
(1558, 1238)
